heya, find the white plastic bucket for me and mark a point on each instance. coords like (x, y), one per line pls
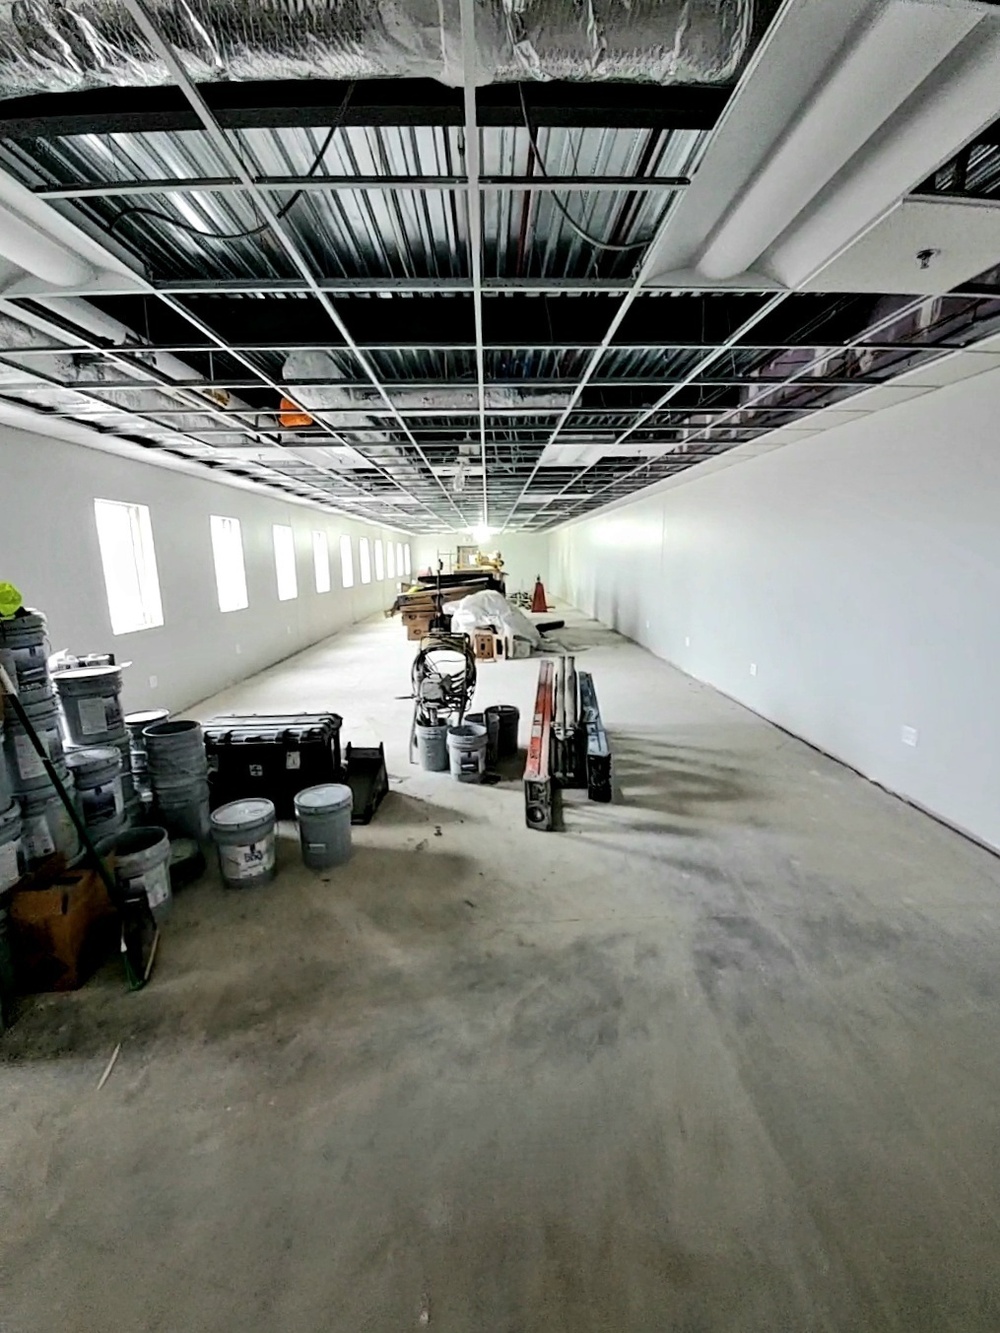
(25, 768)
(97, 775)
(46, 828)
(11, 855)
(467, 752)
(432, 747)
(142, 866)
(91, 704)
(243, 833)
(24, 644)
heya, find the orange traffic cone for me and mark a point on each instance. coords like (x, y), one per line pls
(539, 601)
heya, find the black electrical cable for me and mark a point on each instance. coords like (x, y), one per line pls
(584, 235)
(138, 211)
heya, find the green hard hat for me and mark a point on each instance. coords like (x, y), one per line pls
(10, 599)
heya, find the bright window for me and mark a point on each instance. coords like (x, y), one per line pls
(390, 559)
(346, 562)
(399, 559)
(126, 539)
(284, 562)
(321, 561)
(230, 570)
(406, 558)
(365, 559)
(379, 559)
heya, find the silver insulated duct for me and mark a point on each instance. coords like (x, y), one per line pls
(67, 45)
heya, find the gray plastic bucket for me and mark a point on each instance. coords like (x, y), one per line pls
(135, 725)
(27, 772)
(324, 815)
(508, 720)
(243, 832)
(142, 866)
(492, 724)
(91, 704)
(24, 642)
(467, 752)
(176, 752)
(432, 747)
(11, 855)
(46, 827)
(183, 809)
(97, 775)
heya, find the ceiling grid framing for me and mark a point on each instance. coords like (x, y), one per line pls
(469, 331)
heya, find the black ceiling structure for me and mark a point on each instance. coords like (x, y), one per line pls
(448, 290)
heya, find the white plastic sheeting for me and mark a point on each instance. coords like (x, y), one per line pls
(480, 609)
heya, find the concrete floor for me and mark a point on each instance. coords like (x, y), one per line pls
(722, 1056)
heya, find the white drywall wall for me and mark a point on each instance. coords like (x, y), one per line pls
(49, 549)
(858, 570)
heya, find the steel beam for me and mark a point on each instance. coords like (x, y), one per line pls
(467, 14)
(300, 103)
(318, 184)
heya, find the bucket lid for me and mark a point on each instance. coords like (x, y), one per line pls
(81, 675)
(326, 798)
(9, 818)
(251, 810)
(96, 758)
(147, 717)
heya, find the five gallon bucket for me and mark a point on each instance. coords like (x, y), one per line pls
(11, 856)
(178, 773)
(46, 828)
(142, 866)
(136, 724)
(91, 703)
(467, 752)
(324, 815)
(492, 725)
(6, 791)
(508, 719)
(97, 775)
(243, 832)
(24, 644)
(25, 767)
(432, 747)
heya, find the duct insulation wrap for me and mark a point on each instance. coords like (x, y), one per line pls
(77, 374)
(49, 46)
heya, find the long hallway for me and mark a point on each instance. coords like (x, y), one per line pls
(720, 1056)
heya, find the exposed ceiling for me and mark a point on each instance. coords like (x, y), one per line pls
(509, 303)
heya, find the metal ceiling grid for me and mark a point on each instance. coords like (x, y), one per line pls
(457, 368)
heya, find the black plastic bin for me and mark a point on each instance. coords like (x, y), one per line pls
(274, 756)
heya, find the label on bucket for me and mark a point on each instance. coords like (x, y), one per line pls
(154, 883)
(100, 803)
(9, 872)
(38, 839)
(29, 765)
(257, 858)
(99, 715)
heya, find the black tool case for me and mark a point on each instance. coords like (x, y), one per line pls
(275, 756)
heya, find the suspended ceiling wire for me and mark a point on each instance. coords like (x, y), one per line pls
(139, 211)
(584, 235)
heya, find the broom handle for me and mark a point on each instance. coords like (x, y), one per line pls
(106, 876)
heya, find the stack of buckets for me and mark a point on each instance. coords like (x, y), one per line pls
(472, 747)
(178, 776)
(98, 748)
(37, 825)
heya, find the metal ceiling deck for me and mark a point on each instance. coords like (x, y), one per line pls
(462, 366)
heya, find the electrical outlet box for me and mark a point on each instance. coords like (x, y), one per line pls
(753, 668)
(687, 640)
(908, 735)
(238, 650)
(153, 682)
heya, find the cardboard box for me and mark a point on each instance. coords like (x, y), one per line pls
(61, 932)
(484, 645)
